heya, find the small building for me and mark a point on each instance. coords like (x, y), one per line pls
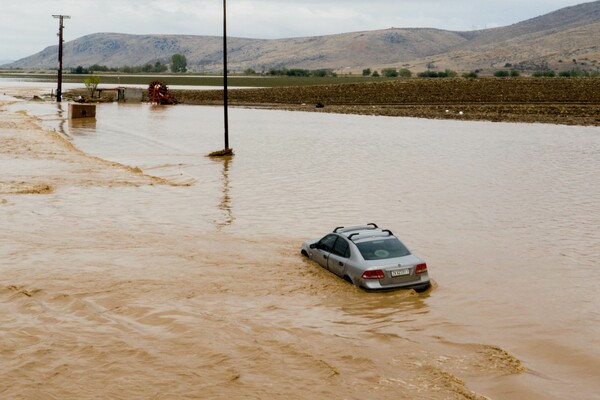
(133, 95)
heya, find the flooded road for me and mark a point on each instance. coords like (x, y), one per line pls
(197, 289)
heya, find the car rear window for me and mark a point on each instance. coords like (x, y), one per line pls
(382, 249)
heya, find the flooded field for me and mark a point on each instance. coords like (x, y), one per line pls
(196, 289)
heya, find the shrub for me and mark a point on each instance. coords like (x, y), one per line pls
(366, 72)
(428, 74)
(389, 72)
(501, 74)
(514, 73)
(298, 72)
(543, 74)
(375, 74)
(578, 73)
(79, 70)
(405, 73)
(99, 68)
(91, 84)
(250, 71)
(470, 75)
(450, 73)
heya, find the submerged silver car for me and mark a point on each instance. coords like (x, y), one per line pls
(369, 257)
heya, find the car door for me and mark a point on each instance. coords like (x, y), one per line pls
(339, 256)
(323, 250)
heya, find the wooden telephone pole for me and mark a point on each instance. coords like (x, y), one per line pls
(225, 100)
(60, 54)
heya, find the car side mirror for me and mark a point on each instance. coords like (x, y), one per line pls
(313, 246)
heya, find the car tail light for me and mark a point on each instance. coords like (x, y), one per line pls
(421, 268)
(374, 274)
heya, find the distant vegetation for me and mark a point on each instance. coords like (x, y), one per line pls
(448, 73)
(178, 63)
(297, 72)
(544, 74)
(505, 74)
(148, 68)
(578, 73)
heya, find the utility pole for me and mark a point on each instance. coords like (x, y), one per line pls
(225, 99)
(60, 54)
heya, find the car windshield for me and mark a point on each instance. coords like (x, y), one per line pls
(382, 249)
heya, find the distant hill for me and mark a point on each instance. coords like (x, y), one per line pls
(560, 40)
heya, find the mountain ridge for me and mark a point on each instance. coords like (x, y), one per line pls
(552, 40)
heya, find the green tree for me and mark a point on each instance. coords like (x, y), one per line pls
(450, 73)
(366, 72)
(375, 74)
(405, 73)
(178, 63)
(250, 71)
(91, 84)
(390, 72)
(79, 70)
(159, 67)
(544, 74)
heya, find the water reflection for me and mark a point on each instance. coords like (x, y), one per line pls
(81, 125)
(61, 119)
(225, 203)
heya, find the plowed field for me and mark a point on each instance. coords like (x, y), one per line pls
(548, 100)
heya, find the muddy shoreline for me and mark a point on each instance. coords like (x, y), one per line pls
(530, 100)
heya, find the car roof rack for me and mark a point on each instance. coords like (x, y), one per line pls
(370, 225)
(369, 235)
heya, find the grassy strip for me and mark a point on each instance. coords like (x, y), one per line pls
(197, 80)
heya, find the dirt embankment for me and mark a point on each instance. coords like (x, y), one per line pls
(36, 161)
(549, 100)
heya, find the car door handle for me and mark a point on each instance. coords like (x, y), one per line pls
(325, 257)
(341, 264)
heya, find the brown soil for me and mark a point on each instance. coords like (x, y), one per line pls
(566, 101)
(38, 161)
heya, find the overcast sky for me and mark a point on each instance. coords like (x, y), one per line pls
(28, 26)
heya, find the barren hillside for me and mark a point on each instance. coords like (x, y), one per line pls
(554, 39)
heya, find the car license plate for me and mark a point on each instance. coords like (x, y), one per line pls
(400, 272)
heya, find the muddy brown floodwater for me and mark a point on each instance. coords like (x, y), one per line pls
(143, 269)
